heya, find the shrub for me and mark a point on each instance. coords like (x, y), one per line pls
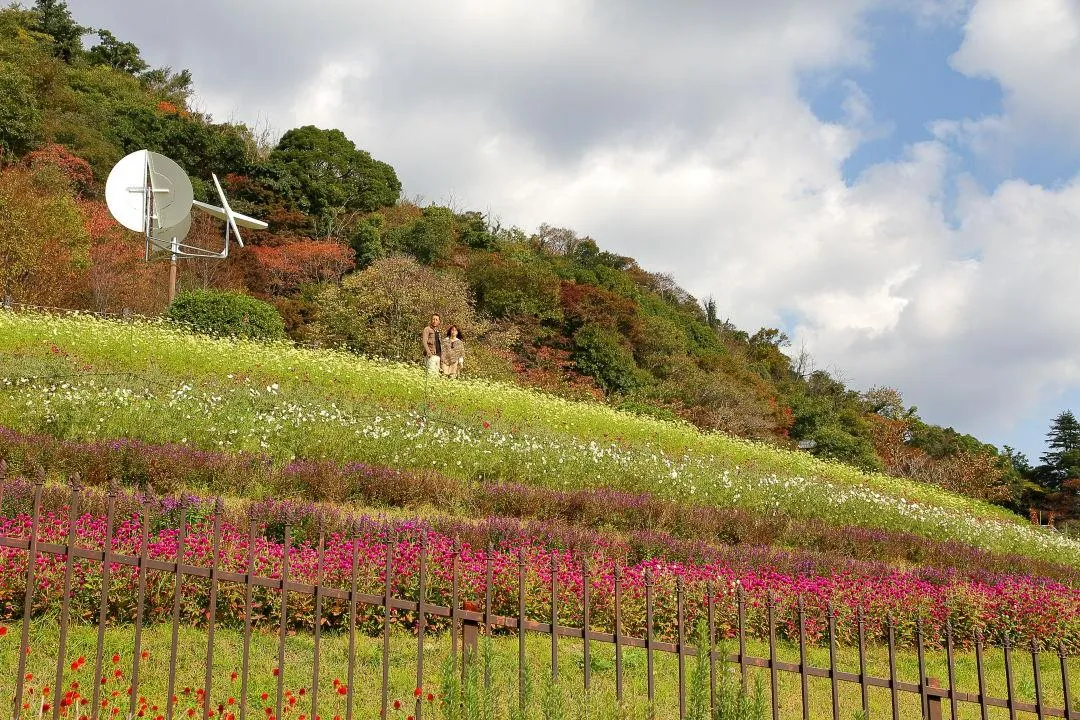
(382, 309)
(599, 354)
(226, 313)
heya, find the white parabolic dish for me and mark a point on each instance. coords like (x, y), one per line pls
(173, 194)
(144, 175)
(125, 191)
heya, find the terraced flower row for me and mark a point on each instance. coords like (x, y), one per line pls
(1021, 607)
(649, 525)
(262, 420)
(45, 342)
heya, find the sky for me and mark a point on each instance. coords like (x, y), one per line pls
(894, 183)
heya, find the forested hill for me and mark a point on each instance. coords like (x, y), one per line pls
(347, 262)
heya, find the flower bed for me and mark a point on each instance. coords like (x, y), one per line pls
(166, 468)
(1025, 608)
(261, 421)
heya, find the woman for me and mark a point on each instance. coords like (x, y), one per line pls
(453, 352)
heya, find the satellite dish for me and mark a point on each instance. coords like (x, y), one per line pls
(125, 191)
(171, 190)
(170, 239)
(149, 193)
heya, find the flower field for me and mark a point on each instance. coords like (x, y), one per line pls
(333, 406)
(357, 457)
(1022, 607)
(648, 525)
(85, 343)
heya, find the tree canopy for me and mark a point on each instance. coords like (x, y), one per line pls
(323, 174)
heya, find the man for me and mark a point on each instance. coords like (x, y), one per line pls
(432, 346)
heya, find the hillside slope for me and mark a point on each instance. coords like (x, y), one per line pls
(549, 309)
(80, 378)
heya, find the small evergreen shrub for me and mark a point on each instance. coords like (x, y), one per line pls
(227, 313)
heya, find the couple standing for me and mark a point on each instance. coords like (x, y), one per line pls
(442, 354)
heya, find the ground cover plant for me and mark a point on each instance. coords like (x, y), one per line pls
(329, 405)
(364, 691)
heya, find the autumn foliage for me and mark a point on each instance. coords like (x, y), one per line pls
(290, 266)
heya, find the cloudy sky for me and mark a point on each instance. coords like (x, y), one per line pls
(895, 183)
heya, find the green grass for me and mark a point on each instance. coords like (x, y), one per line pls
(298, 670)
(291, 402)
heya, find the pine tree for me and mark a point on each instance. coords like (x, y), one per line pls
(1061, 459)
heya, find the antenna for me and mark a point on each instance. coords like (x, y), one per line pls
(149, 193)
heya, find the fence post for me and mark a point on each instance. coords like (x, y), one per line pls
(470, 633)
(933, 702)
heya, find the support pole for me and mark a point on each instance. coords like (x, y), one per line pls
(172, 272)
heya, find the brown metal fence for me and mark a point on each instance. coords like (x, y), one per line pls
(468, 621)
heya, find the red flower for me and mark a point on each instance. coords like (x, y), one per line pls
(115, 659)
(145, 655)
(263, 697)
(3, 630)
(45, 707)
(303, 692)
(342, 690)
(430, 698)
(416, 692)
(277, 671)
(397, 704)
(233, 676)
(191, 712)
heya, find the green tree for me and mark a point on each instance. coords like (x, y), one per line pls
(54, 19)
(600, 354)
(1062, 459)
(20, 118)
(176, 87)
(430, 238)
(508, 288)
(322, 173)
(200, 147)
(122, 56)
(366, 240)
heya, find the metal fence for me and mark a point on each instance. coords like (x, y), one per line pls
(469, 620)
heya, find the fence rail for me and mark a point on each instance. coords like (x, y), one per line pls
(467, 620)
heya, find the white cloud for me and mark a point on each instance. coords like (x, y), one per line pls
(679, 138)
(1032, 49)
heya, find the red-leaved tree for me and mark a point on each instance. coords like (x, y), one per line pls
(288, 267)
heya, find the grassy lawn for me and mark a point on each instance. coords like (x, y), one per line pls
(298, 671)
